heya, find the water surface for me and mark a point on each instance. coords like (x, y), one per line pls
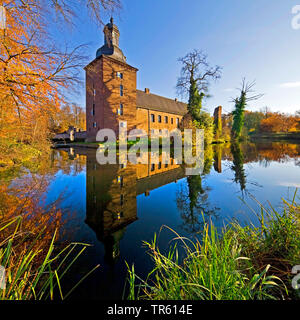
(116, 208)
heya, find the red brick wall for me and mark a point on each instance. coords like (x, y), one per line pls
(144, 120)
(101, 78)
(101, 75)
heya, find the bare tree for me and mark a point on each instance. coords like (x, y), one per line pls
(266, 111)
(196, 70)
(66, 10)
(240, 105)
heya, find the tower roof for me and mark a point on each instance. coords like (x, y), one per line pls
(111, 42)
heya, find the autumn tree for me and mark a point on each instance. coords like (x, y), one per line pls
(69, 115)
(279, 122)
(35, 73)
(252, 121)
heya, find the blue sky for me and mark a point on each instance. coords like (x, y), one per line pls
(248, 38)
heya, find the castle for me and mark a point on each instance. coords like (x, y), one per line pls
(112, 99)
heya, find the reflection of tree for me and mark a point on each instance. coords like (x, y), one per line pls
(238, 165)
(218, 151)
(192, 201)
(193, 204)
(208, 159)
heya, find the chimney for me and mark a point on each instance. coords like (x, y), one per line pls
(147, 90)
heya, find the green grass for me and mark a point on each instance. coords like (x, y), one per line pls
(31, 272)
(239, 263)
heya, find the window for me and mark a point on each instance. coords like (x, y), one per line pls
(120, 110)
(94, 92)
(152, 118)
(121, 90)
(172, 120)
(93, 109)
(123, 124)
(159, 118)
(166, 119)
(121, 199)
(152, 167)
(94, 124)
(159, 165)
(120, 75)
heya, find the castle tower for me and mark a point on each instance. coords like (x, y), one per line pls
(110, 87)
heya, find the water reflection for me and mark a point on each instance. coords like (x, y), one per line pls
(193, 198)
(116, 207)
(111, 195)
(112, 190)
(238, 165)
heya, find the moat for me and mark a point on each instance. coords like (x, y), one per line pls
(115, 208)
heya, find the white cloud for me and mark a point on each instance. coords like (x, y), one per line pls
(228, 90)
(295, 84)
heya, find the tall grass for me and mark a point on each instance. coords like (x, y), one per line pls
(239, 263)
(31, 272)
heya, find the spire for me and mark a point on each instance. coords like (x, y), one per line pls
(111, 42)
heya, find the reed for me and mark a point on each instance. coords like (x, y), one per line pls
(237, 263)
(31, 272)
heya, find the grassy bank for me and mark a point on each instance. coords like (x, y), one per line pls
(280, 136)
(239, 263)
(34, 268)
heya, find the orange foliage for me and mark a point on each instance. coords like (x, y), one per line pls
(33, 75)
(24, 200)
(278, 122)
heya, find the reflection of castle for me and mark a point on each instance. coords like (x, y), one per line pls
(111, 192)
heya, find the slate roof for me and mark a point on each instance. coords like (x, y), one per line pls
(158, 180)
(158, 103)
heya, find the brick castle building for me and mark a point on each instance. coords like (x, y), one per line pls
(113, 99)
